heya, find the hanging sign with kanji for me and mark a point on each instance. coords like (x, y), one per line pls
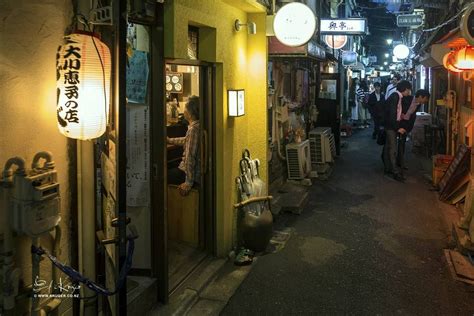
(410, 20)
(344, 26)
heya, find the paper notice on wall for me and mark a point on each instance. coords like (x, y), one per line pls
(137, 77)
(138, 156)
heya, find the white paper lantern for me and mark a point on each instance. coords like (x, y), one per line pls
(83, 86)
(401, 51)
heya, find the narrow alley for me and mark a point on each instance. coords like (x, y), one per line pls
(365, 244)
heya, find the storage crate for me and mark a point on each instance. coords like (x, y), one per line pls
(440, 165)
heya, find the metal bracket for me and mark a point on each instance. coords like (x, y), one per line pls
(101, 16)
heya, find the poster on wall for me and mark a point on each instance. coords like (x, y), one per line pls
(138, 154)
(137, 77)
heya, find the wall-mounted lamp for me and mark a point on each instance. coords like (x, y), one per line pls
(251, 26)
(236, 102)
(389, 41)
(83, 67)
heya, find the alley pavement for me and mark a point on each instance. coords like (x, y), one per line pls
(364, 245)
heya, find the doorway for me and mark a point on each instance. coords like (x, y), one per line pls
(190, 215)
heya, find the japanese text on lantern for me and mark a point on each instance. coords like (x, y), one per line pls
(70, 70)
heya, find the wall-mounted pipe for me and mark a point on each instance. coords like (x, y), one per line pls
(49, 164)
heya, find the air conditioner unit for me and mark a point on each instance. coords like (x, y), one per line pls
(322, 145)
(298, 160)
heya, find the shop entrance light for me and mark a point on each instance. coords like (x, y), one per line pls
(83, 67)
(236, 102)
(251, 26)
(463, 59)
(401, 51)
(387, 55)
(389, 41)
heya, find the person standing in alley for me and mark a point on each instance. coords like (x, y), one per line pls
(392, 117)
(410, 105)
(375, 104)
(188, 172)
(353, 101)
(361, 93)
(392, 87)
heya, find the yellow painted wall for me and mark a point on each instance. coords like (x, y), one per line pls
(242, 64)
(30, 33)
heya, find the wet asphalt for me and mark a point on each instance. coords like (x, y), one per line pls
(364, 245)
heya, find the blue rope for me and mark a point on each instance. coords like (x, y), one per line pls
(77, 277)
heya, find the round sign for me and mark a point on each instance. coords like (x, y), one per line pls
(177, 87)
(335, 41)
(401, 51)
(168, 79)
(294, 24)
(467, 24)
(175, 79)
(169, 87)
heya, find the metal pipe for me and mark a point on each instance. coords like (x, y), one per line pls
(79, 219)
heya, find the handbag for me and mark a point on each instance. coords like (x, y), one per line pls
(381, 137)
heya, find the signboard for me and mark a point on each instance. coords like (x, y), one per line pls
(344, 26)
(294, 24)
(335, 41)
(349, 58)
(311, 49)
(467, 24)
(410, 20)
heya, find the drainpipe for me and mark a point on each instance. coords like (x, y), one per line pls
(86, 204)
(86, 221)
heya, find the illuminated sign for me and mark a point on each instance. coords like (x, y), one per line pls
(335, 41)
(344, 26)
(410, 20)
(294, 24)
(349, 58)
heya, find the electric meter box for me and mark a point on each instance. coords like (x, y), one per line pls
(36, 203)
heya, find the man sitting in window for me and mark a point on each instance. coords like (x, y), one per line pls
(188, 172)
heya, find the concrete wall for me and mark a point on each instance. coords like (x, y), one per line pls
(243, 64)
(30, 32)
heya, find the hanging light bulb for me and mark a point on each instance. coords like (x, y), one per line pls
(83, 67)
(463, 59)
(447, 62)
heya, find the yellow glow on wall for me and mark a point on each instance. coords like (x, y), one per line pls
(83, 86)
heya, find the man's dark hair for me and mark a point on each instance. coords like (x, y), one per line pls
(422, 93)
(403, 85)
(398, 77)
(193, 106)
(377, 84)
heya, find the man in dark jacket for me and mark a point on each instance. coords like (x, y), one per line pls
(393, 115)
(375, 103)
(410, 105)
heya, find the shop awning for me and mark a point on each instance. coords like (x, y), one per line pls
(435, 57)
(311, 50)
